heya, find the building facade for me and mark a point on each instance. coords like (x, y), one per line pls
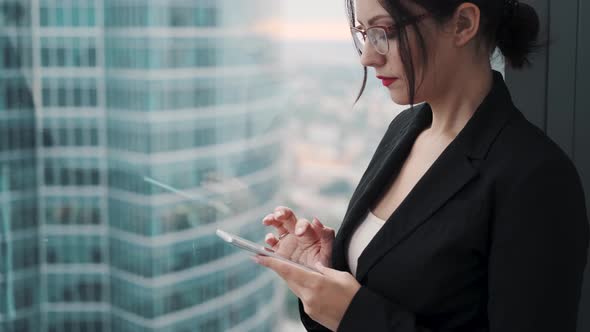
(19, 210)
(146, 126)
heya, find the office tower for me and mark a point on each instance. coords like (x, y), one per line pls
(132, 97)
(19, 244)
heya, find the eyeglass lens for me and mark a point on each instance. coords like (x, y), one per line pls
(377, 37)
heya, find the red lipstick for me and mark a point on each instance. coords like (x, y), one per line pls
(387, 81)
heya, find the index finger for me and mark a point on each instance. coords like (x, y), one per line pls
(285, 217)
(269, 220)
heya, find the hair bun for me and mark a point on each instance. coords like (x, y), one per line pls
(517, 34)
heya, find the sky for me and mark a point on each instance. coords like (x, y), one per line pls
(314, 10)
(313, 20)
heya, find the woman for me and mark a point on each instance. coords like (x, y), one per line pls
(468, 218)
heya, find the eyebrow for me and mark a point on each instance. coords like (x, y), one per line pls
(375, 18)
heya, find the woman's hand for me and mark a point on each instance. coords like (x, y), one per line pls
(325, 296)
(305, 242)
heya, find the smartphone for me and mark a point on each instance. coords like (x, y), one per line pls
(256, 248)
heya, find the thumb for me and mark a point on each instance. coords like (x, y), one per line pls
(327, 234)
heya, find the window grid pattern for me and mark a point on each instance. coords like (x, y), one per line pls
(68, 13)
(154, 14)
(144, 96)
(150, 303)
(54, 206)
(68, 52)
(71, 249)
(192, 174)
(189, 134)
(75, 288)
(70, 92)
(187, 52)
(82, 211)
(219, 320)
(161, 260)
(74, 132)
(19, 249)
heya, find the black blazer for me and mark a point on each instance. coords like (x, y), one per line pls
(493, 237)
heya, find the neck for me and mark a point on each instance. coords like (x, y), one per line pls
(459, 99)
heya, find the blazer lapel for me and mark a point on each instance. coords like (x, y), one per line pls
(454, 168)
(445, 177)
(388, 160)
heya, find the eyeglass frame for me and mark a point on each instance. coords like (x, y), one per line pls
(388, 29)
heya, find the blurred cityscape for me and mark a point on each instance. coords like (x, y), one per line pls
(328, 139)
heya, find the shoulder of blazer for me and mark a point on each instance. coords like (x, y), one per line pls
(522, 146)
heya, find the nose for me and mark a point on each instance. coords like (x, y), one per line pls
(370, 56)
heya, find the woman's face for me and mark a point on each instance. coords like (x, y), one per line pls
(389, 67)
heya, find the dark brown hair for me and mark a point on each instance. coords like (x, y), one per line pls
(511, 26)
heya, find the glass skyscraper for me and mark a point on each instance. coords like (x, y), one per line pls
(129, 131)
(19, 210)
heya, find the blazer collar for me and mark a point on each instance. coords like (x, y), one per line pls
(481, 130)
(454, 168)
(486, 122)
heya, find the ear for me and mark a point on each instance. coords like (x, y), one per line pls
(466, 23)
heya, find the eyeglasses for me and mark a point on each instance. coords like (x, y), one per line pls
(379, 35)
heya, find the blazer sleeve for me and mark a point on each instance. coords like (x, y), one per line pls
(310, 324)
(538, 249)
(538, 252)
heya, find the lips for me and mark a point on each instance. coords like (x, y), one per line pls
(387, 81)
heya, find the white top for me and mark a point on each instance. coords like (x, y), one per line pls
(361, 237)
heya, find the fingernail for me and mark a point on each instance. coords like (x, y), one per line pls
(279, 214)
(299, 231)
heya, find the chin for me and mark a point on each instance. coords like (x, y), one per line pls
(399, 98)
(403, 99)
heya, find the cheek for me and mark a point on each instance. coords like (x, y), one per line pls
(413, 53)
(395, 65)
(440, 69)
(400, 91)
(441, 63)
(423, 73)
